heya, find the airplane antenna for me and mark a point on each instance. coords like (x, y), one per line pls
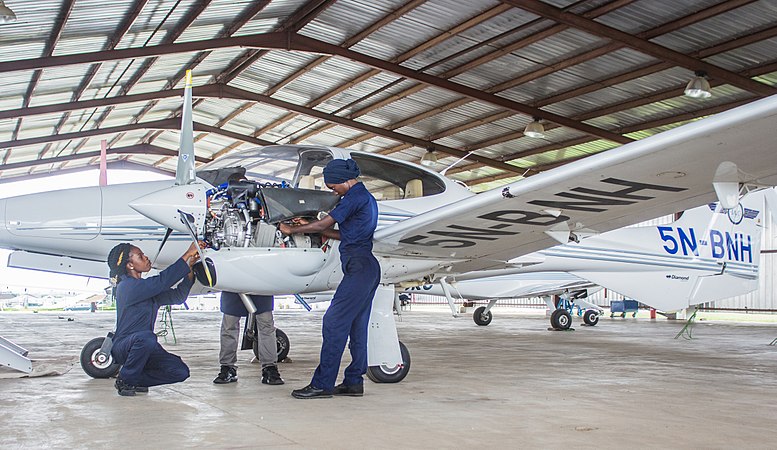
(184, 172)
(442, 172)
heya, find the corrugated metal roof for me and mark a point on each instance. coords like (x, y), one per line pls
(486, 53)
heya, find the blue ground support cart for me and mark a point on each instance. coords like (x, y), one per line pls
(624, 307)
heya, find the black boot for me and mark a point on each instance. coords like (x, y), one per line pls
(227, 375)
(270, 375)
(124, 389)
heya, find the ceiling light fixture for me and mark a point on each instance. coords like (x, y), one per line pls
(6, 15)
(698, 87)
(534, 129)
(429, 158)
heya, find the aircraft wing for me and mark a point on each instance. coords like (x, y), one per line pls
(656, 176)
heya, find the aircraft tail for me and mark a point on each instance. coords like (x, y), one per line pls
(707, 254)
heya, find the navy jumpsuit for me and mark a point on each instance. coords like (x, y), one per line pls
(349, 313)
(145, 362)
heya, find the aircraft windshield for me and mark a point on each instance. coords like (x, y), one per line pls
(386, 179)
(263, 164)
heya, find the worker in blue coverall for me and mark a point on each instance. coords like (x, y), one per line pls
(144, 362)
(349, 313)
(233, 308)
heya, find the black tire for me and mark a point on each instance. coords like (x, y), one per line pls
(561, 319)
(92, 365)
(480, 318)
(591, 317)
(282, 342)
(383, 374)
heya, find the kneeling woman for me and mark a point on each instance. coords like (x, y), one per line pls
(145, 362)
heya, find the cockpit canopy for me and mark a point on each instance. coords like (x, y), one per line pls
(302, 167)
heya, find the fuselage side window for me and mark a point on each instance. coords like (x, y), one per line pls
(393, 180)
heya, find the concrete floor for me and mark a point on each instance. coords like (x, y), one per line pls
(513, 384)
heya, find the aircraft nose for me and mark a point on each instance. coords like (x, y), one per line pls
(162, 206)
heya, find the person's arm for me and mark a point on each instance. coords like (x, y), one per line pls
(146, 288)
(176, 296)
(323, 226)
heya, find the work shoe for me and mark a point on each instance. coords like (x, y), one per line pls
(311, 391)
(351, 390)
(141, 389)
(124, 389)
(270, 375)
(227, 375)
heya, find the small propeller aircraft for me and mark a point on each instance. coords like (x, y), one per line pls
(429, 225)
(707, 254)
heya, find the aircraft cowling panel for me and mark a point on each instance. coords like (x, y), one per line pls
(162, 206)
(267, 271)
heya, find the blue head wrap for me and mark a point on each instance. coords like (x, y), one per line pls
(340, 170)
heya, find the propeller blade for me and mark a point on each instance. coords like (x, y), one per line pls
(164, 240)
(188, 220)
(185, 172)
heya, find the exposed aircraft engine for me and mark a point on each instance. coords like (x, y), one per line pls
(247, 214)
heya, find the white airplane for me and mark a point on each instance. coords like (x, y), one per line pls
(707, 254)
(430, 226)
(570, 290)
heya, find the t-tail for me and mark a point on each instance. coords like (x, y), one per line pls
(707, 254)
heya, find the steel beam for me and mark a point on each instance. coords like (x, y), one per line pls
(140, 149)
(644, 46)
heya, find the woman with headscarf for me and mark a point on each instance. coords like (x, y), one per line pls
(144, 362)
(349, 313)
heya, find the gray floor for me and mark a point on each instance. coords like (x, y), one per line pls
(623, 383)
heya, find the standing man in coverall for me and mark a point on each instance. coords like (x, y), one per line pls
(144, 362)
(349, 313)
(233, 308)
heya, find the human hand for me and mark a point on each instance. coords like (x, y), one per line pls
(300, 221)
(285, 229)
(192, 254)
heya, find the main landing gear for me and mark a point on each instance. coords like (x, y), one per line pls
(561, 318)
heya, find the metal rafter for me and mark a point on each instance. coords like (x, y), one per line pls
(51, 42)
(245, 16)
(87, 80)
(191, 15)
(662, 95)
(638, 127)
(164, 124)
(567, 62)
(301, 17)
(241, 94)
(647, 47)
(521, 43)
(140, 149)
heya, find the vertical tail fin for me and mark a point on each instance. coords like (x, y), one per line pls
(707, 254)
(185, 173)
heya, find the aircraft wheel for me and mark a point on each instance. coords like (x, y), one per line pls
(96, 365)
(395, 374)
(282, 342)
(591, 317)
(480, 318)
(561, 319)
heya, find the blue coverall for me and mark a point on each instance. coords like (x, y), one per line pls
(145, 362)
(349, 313)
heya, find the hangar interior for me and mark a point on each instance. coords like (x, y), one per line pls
(494, 91)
